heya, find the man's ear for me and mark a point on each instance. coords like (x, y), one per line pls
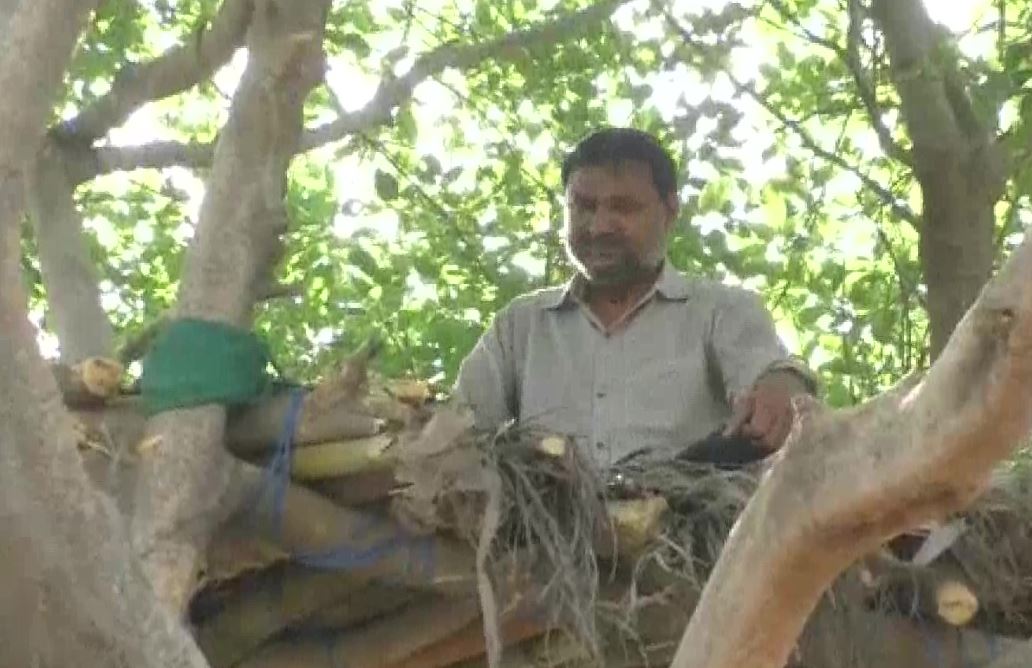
(672, 206)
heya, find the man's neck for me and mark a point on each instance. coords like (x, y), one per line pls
(611, 302)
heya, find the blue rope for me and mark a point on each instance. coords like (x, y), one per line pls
(276, 476)
(276, 479)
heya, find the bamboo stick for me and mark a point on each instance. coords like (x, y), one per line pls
(340, 458)
(375, 645)
(468, 643)
(358, 489)
(255, 429)
(371, 601)
(88, 383)
(312, 527)
(271, 602)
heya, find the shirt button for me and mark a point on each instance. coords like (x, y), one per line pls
(600, 445)
(600, 395)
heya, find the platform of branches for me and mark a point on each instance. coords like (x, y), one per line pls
(378, 528)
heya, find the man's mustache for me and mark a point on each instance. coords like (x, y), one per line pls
(607, 242)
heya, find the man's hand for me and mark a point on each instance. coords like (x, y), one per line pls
(765, 412)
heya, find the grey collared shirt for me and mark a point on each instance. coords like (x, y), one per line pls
(661, 380)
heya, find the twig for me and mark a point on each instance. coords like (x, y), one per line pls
(850, 55)
(901, 210)
(866, 89)
(394, 91)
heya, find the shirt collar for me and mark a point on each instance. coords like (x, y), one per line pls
(670, 284)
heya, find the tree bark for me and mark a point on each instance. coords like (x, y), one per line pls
(71, 593)
(70, 276)
(956, 161)
(35, 45)
(848, 480)
(182, 481)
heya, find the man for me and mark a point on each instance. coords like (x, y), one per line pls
(631, 353)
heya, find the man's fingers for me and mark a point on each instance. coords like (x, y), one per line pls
(763, 421)
(739, 415)
(780, 431)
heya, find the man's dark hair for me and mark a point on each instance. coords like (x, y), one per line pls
(612, 146)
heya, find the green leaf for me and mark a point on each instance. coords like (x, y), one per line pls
(356, 43)
(386, 185)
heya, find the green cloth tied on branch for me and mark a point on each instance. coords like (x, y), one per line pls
(196, 362)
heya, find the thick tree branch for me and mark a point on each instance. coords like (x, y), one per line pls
(183, 479)
(174, 71)
(72, 592)
(957, 161)
(393, 92)
(36, 41)
(850, 479)
(939, 113)
(69, 273)
(152, 155)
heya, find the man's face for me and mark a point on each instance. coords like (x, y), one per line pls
(616, 222)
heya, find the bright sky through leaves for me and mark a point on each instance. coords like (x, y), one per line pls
(431, 262)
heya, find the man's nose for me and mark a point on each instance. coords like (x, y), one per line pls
(603, 221)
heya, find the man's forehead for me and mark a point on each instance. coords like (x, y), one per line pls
(625, 176)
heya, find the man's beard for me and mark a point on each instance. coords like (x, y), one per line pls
(620, 265)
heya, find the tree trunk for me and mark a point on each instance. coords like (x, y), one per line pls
(182, 481)
(956, 161)
(71, 593)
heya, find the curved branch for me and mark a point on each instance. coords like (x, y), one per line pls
(391, 93)
(72, 592)
(176, 70)
(36, 40)
(958, 162)
(238, 241)
(848, 480)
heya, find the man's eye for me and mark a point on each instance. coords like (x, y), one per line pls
(625, 206)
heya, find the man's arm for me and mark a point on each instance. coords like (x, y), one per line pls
(760, 376)
(486, 381)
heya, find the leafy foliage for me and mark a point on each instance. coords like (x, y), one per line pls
(418, 231)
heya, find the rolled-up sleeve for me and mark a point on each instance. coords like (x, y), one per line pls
(745, 344)
(486, 380)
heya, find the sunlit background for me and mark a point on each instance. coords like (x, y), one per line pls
(354, 88)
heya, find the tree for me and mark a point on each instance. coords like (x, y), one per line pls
(530, 81)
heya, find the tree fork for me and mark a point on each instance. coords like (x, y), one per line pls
(183, 479)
